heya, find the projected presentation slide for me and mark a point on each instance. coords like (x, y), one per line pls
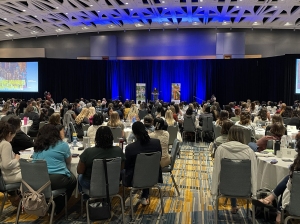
(297, 90)
(19, 77)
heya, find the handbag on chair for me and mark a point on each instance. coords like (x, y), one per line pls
(98, 210)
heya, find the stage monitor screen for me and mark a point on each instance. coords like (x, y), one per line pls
(297, 89)
(19, 77)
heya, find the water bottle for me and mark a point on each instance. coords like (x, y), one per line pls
(133, 120)
(74, 139)
(276, 146)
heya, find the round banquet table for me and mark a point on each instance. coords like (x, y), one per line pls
(269, 175)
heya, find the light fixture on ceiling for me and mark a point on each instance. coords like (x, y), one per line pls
(9, 35)
(24, 10)
(5, 18)
(35, 16)
(91, 5)
(139, 25)
(34, 32)
(57, 7)
(84, 28)
(225, 23)
(98, 11)
(165, 8)
(131, 9)
(126, 3)
(59, 30)
(256, 23)
(288, 24)
(200, 7)
(163, 2)
(167, 24)
(195, 23)
(111, 26)
(237, 7)
(66, 13)
(201, 0)
(275, 6)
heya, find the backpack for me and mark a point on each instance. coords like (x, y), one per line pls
(262, 212)
(34, 202)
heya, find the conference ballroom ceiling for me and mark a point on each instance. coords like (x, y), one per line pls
(34, 18)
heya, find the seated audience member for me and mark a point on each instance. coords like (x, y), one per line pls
(224, 116)
(133, 112)
(55, 119)
(21, 108)
(295, 120)
(169, 118)
(281, 109)
(262, 117)
(235, 148)
(175, 117)
(237, 113)
(82, 118)
(126, 110)
(203, 116)
(44, 115)
(163, 137)
(224, 133)
(245, 122)
(107, 115)
(33, 130)
(275, 119)
(103, 149)
(253, 109)
(71, 112)
(61, 130)
(271, 107)
(148, 123)
(215, 113)
(50, 111)
(229, 110)
(92, 113)
(6, 107)
(276, 132)
(282, 189)
(21, 141)
(287, 112)
(244, 107)
(144, 144)
(9, 161)
(97, 122)
(115, 122)
(8, 115)
(49, 146)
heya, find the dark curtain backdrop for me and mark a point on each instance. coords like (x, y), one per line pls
(230, 80)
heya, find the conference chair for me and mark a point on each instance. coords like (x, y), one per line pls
(117, 133)
(42, 123)
(189, 126)
(146, 173)
(247, 135)
(217, 131)
(5, 188)
(235, 182)
(294, 205)
(207, 125)
(35, 174)
(169, 168)
(173, 130)
(98, 185)
(286, 120)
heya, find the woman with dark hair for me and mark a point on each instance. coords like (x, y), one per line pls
(50, 111)
(235, 148)
(262, 117)
(49, 146)
(144, 144)
(163, 137)
(21, 141)
(224, 133)
(97, 122)
(245, 121)
(9, 161)
(224, 116)
(44, 115)
(103, 149)
(229, 110)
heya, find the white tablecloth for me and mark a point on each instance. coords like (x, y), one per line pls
(269, 175)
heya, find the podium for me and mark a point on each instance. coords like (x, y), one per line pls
(154, 96)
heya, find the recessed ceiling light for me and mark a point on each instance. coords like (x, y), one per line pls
(84, 28)
(98, 11)
(33, 32)
(35, 16)
(66, 13)
(56, 7)
(5, 18)
(24, 10)
(256, 23)
(126, 3)
(275, 6)
(237, 7)
(287, 24)
(201, 0)
(165, 8)
(111, 26)
(195, 23)
(59, 30)
(167, 24)
(139, 25)
(131, 9)
(9, 35)
(91, 5)
(163, 2)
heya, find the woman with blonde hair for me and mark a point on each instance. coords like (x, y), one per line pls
(172, 108)
(92, 113)
(115, 122)
(133, 112)
(169, 118)
(82, 118)
(55, 119)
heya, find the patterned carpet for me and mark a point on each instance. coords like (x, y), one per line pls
(194, 205)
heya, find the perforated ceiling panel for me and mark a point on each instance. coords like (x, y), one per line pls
(20, 19)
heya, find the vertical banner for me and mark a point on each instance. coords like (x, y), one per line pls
(176, 87)
(140, 92)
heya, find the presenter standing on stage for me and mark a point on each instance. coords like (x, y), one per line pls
(155, 94)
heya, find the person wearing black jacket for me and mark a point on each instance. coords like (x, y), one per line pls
(21, 141)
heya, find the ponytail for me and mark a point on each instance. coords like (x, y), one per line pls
(140, 132)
